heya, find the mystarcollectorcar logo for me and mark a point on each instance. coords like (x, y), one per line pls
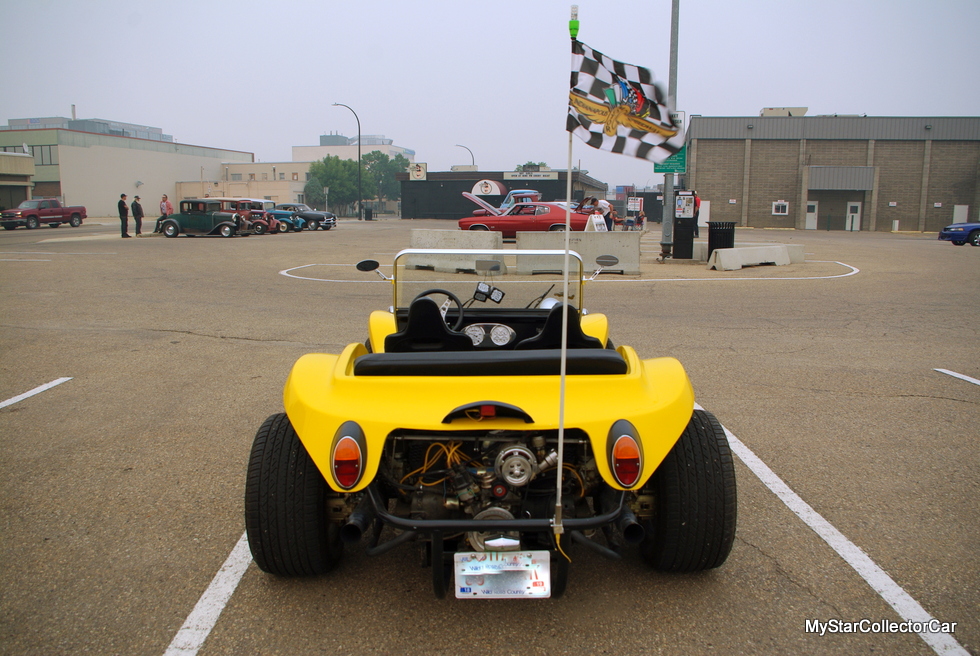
(824, 627)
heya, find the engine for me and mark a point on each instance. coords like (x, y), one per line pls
(488, 475)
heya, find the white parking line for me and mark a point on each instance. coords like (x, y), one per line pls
(191, 636)
(908, 608)
(960, 376)
(851, 270)
(36, 390)
(198, 625)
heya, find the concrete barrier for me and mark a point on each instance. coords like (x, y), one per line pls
(731, 259)
(590, 245)
(453, 239)
(796, 254)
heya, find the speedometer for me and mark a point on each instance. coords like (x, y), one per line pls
(475, 332)
(501, 334)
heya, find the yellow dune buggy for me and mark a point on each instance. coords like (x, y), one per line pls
(489, 419)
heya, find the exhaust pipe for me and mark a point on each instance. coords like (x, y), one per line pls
(632, 530)
(358, 522)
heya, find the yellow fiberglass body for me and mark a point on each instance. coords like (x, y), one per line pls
(322, 393)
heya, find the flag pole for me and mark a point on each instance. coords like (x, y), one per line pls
(558, 527)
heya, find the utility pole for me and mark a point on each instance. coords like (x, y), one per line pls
(667, 236)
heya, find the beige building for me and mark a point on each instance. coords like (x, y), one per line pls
(282, 182)
(16, 171)
(346, 148)
(92, 168)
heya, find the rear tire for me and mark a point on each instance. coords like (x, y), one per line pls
(557, 228)
(76, 220)
(479, 227)
(286, 518)
(696, 506)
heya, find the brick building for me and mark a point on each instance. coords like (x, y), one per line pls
(837, 172)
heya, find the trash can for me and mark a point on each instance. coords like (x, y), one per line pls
(368, 214)
(721, 234)
(683, 239)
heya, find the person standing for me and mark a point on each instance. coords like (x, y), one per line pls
(604, 209)
(138, 216)
(124, 215)
(166, 209)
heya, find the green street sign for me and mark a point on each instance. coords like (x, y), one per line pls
(676, 163)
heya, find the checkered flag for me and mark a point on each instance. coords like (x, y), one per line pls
(617, 107)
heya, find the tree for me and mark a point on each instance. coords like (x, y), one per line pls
(383, 169)
(340, 175)
(531, 166)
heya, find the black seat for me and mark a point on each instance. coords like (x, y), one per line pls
(426, 330)
(550, 335)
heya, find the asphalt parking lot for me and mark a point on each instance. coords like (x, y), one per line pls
(122, 487)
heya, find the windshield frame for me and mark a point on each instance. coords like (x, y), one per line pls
(576, 268)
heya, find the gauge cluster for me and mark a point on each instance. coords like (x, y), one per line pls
(490, 335)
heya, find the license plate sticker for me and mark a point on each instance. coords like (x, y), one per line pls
(503, 574)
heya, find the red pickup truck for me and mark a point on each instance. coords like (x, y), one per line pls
(37, 211)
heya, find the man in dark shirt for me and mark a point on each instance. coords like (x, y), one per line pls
(138, 216)
(124, 215)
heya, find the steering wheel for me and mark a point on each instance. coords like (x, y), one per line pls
(453, 298)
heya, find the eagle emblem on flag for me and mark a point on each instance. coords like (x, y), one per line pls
(619, 108)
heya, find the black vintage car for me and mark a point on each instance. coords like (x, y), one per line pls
(204, 216)
(311, 218)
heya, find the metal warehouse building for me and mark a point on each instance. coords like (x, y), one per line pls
(837, 172)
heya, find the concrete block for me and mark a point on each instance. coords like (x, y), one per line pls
(454, 239)
(796, 254)
(731, 259)
(590, 245)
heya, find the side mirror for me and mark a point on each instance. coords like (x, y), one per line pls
(604, 262)
(371, 265)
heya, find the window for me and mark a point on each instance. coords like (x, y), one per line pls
(295, 176)
(251, 176)
(265, 176)
(236, 176)
(43, 155)
(308, 176)
(780, 208)
(282, 176)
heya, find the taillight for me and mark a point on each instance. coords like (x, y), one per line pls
(626, 461)
(347, 459)
(624, 453)
(347, 462)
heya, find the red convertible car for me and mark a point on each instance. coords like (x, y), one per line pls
(526, 217)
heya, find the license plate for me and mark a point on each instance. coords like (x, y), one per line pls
(503, 574)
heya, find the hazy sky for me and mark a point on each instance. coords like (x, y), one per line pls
(492, 75)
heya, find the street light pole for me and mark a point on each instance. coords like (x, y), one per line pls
(472, 159)
(358, 157)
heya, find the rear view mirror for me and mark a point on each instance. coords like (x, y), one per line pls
(367, 265)
(607, 260)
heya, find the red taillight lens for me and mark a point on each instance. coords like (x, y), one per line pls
(626, 461)
(347, 462)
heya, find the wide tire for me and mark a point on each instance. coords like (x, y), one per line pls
(286, 519)
(694, 525)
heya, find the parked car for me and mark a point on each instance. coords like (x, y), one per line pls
(445, 426)
(313, 219)
(961, 233)
(526, 217)
(256, 211)
(40, 211)
(204, 216)
(513, 197)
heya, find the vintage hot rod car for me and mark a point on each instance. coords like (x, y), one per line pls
(496, 427)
